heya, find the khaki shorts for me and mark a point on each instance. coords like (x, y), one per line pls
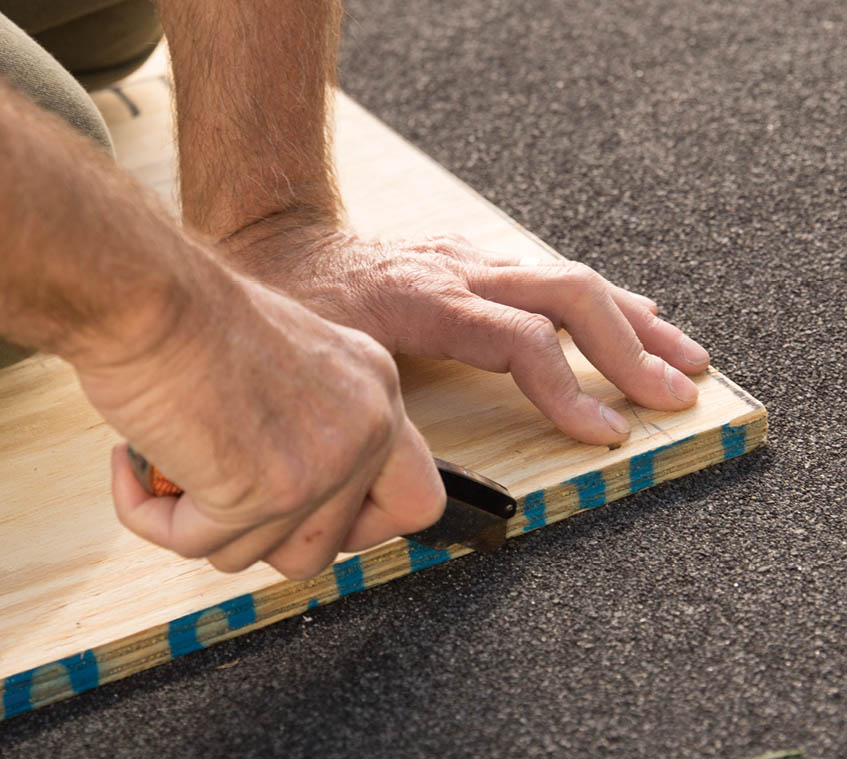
(55, 50)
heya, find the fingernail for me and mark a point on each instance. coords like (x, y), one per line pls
(679, 385)
(614, 420)
(649, 302)
(694, 353)
(530, 261)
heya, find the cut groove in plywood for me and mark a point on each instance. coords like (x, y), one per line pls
(84, 602)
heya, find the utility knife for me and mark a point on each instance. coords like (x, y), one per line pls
(475, 515)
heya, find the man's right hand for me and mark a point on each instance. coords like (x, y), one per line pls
(286, 431)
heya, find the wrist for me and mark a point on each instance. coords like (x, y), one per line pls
(156, 315)
(257, 248)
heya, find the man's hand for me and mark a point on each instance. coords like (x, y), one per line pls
(287, 432)
(442, 298)
(253, 87)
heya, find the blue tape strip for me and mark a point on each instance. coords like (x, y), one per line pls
(591, 488)
(734, 440)
(17, 693)
(421, 557)
(83, 674)
(182, 632)
(83, 671)
(641, 474)
(535, 510)
(240, 611)
(349, 576)
(642, 467)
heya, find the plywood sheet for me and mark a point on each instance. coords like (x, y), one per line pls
(84, 602)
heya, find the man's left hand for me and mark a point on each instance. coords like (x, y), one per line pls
(440, 297)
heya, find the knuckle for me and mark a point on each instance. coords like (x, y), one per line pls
(405, 275)
(450, 266)
(384, 363)
(381, 428)
(652, 322)
(447, 240)
(379, 399)
(586, 284)
(290, 486)
(301, 489)
(578, 271)
(446, 249)
(375, 363)
(387, 393)
(643, 361)
(533, 330)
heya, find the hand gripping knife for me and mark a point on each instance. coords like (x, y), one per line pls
(475, 515)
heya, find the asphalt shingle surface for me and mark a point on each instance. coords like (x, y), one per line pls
(696, 152)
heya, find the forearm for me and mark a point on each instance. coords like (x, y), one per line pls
(253, 86)
(90, 266)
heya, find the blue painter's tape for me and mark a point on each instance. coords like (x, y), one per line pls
(349, 576)
(313, 603)
(421, 557)
(642, 467)
(591, 488)
(535, 510)
(240, 611)
(83, 671)
(182, 632)
(734, 440)
(17, 693)
(641, 473)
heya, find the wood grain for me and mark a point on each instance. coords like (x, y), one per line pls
(84, 602)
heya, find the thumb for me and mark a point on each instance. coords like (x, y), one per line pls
(173, 523)
(148, 517)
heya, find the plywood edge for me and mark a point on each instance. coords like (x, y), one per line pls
(60, 679)
(756, 418)
(661, 464)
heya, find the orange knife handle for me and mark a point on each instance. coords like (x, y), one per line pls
(151, 479)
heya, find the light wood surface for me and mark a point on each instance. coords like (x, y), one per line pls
(85, 602)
